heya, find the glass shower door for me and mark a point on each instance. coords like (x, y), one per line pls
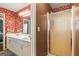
(60, 33)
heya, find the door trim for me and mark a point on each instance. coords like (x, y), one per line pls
(33, 29)
(73, 30)
(3, 30)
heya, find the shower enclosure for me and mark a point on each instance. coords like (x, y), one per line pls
(60, 33)
(64, 32)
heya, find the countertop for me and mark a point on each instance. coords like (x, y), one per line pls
(21, 36)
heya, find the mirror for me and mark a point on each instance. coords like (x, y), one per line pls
(27, 24)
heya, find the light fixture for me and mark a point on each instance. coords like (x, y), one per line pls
(23, 12)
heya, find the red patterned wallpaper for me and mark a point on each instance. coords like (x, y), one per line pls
(13, 22)
(69, 6)
(18, 25)
(10, 21)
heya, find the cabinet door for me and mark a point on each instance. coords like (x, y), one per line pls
(18, 48)
(9, 44)
(26, 51)
(14, 42)
(26, 48)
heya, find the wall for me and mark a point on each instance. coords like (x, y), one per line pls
(69, 6)
(18, 23)
(75, 4)
(11, 20)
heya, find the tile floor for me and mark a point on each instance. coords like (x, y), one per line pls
(9, 53)
(50, 54)
(6, 53)
(1, 47)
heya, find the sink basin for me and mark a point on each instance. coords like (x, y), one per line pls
(21, 36)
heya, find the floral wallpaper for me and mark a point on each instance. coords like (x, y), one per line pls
(9, 19)
(18, 23)
(69, 6)
(13, 22)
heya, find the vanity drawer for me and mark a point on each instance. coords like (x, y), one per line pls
(25, 43)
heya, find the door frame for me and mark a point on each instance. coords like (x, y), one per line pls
(33, 29)
(73, 29)
(73, 23)
(3, 30)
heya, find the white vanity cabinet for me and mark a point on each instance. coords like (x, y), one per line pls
(19, 47)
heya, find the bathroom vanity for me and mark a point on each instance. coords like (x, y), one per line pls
(20, 44)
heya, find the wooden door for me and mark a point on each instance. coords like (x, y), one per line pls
(60, 33)
(41, 28)
(42, 36)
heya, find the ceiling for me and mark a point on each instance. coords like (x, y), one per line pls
(13, 6)
(55, 5)
(17, 6)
